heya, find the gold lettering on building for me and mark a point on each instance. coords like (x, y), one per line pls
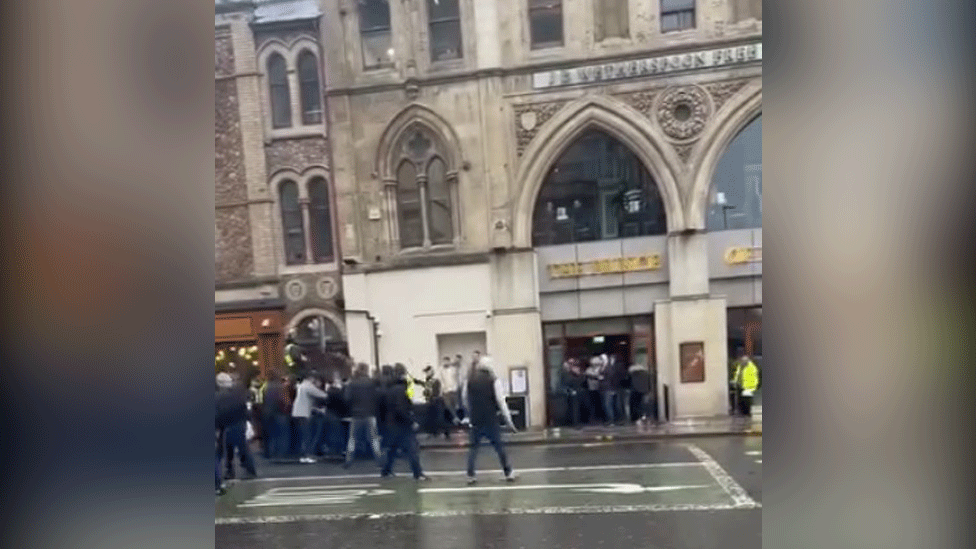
(605, 266)
(741, 256)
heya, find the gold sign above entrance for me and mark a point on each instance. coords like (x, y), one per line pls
(741, 256)
(606, 266)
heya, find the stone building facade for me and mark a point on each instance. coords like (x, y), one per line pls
(276, 258)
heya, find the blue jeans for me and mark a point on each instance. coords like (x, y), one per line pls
(493, 433)
(236, 439)
(307, 436)
(403, 438)
(276, 435)
(609, 410)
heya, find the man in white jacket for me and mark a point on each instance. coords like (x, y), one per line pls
(301, 410)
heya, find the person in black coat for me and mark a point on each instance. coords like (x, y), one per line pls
(402, 426)
(231, 420)
(361, 395)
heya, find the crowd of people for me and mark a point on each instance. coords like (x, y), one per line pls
(308, 415)
(605, 388)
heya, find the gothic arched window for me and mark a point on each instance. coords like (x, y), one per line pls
(425, 192)
(280, 96)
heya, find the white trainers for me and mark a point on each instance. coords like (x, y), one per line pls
(511, 477)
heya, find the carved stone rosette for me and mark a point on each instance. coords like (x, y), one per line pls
(683, 112)
(723, 91)
(528, 120)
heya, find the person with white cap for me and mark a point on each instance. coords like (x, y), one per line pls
(231, 420)
(484, 399)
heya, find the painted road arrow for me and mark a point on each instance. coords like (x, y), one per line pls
(601, 488)
(315, 495)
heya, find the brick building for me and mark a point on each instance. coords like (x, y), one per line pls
(276, 258)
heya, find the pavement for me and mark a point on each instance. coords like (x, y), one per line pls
(675, 493)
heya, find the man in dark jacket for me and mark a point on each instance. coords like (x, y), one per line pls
(362, 396)
(400, 420)
(485, 400)
(232, 421)
(277, 412)
(436, 406)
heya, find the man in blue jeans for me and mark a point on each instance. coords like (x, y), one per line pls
(484, 399)
(402, 426)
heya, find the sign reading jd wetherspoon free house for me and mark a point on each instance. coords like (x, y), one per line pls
(664, 64)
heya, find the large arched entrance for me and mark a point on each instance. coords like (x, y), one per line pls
(598, 227)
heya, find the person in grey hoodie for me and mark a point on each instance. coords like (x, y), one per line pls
(305, 397)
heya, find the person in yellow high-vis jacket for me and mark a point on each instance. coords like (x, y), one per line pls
(746, 381)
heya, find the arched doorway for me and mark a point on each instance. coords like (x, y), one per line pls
(598, 189)
(595, 202)
(318, 336)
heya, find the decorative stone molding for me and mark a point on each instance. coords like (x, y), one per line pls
(528, 120)
(642, 101)
(326, 287)
(684, 151)
(295, 289)
(723, 91)
(683, 112)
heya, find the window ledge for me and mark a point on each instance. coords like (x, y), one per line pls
(420, 250)
(296, 132)
(308, 269)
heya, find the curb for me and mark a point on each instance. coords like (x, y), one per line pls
(598, 439)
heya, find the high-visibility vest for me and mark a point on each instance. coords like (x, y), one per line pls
(746, 376)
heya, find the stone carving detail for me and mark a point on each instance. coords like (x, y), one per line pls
(326, 287)
(683, 112)
(643, 101)
(684, 151)
(295, 289)
(723, 91)
(528, 120)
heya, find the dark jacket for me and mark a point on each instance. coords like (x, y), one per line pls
(231, 406)
(336, 403)
(276, 399)
(361, 396)
(399, 409)
(482, 399)
(640, 380)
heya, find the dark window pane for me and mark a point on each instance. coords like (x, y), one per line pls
(320, 222)
(280, 97)
(677, 15)
(308, 75)
(735, 201)
(440, 220)
(374, 14)
(409, 207)
(377, 49)
(291, 222)
(445, 40)
(439, 10)
(598, 189)
(546, 23)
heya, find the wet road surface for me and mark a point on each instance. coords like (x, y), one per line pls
(702, 494)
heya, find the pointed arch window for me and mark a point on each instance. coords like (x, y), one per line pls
(735, 200)
(280, 94)
(424, 193)
(292, 224)
(308, 75)
(320, 220)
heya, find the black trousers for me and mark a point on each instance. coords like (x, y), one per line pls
(745, 405)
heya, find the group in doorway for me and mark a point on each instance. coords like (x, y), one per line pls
(606, 388)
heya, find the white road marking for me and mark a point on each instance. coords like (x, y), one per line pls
(731, 487)
(759, 461)
(461, 473)
(655, 508)
(599, 488)
(754, 453)
(314, 495)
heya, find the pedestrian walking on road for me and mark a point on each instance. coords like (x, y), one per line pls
(231, 420)
(361, 395)
(306, 396)
(402, 426)
(485, 400)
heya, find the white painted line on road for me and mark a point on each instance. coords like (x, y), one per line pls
(755, 453)
(598, 488)
(731, 487)
(314, 495)
(656, 508)
(460, 473)
(759, 461)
